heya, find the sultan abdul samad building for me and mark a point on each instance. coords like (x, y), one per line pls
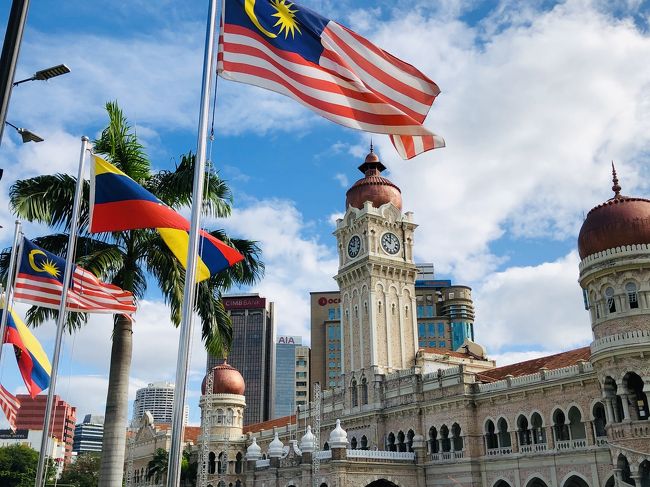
(410, 417)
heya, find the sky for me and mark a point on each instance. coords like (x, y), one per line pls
(537, 99)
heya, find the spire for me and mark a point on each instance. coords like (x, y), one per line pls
(371, 147)
(616, 187)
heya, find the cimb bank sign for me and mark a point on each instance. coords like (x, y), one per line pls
(289, 340)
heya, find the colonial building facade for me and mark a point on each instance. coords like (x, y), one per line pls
(407, 416)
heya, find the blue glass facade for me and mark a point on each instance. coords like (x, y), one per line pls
(285, 378)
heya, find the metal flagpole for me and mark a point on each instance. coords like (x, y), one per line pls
(60, 323)
(10, 285)
(175, 450)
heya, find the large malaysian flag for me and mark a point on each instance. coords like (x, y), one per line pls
(289, 49)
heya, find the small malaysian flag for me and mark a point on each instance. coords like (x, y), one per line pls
(281, 46)
(10, 405)
(40, 282)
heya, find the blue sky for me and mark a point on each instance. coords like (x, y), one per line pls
(537, 99)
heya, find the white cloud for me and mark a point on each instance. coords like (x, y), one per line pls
(342, 179)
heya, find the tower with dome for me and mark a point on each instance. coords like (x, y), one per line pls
(404, 416)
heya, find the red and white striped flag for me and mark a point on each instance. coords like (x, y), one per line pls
(40, 282)
(343, 77)
(10, 405)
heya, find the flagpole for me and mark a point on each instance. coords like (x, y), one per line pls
(9, 292)
(60, 323)
(182, 364)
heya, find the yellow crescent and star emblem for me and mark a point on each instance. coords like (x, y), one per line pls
(284, 13)
(48, 266)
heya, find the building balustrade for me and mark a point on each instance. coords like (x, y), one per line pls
(323, 454)
(447, 456)
(571, 444)
(533, 448)
(628, 338)
(383, 455)
(263, 463)
(495, 452)
(629, 429)
(601, 441)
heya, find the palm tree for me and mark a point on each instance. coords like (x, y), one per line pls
(126, 258)
(157, 466)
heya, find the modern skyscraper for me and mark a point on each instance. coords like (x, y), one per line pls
(32, 411)
(252, 352)
(291, 375)
(325, 338)
(158, 399)
(89, 435)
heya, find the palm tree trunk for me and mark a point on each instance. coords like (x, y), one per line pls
(117, 404)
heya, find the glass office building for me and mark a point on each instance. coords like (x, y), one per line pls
(291, 375)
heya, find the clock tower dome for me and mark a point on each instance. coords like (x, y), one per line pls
(376, 278)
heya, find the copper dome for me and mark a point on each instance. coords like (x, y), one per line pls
(226, 380)
(621, 220)
(373, 187)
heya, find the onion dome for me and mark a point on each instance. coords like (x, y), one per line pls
(338, 436)
(253, 452)
(225, 380)
(276, 448)
(373, 187)
(619, 221)
(308, 441)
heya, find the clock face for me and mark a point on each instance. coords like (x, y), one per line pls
(390, 243)
(354, 246)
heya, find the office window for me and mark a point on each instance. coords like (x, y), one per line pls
(301, 393)
(442, 344)
(301, 375)
(432, 344)
(301, 363)
(441, 329)
(301, 384)
(421, 329)
(432, 330)
(331, 313)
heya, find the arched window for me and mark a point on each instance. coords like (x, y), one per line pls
(610, 392)
(238, 463)
(409, 440)
(364, 391)
(401, 444)
(644, 473)
(600, 419)
(212, 463)
(433, 440)
(364, 442)
(638, 399)
(238, 483)
(538, 431)
(576, 426)
(575, 481)
(632, 296)
(326, 446)
(624, 466)
(229, 416)
(523, 430)
(559, 426)
(353, 443)
(222, 466)
(504, 434)
(456, 437)
(491, 439)
(355, 393)
(609, 299)
(445, 442)
(219, 416)
(391, 443)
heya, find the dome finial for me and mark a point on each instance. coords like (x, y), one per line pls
(372, 149)
(616, 187)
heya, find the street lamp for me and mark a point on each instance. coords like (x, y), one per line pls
(27, 135)
(45, 74)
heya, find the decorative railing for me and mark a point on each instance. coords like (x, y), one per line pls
(617, 251)
(323, 454)
(534, 448)
(570, 371)
(497, 452)
(447, 456)
(383, 455)
(636, 337)
(571, 444)
(601, 441)
(263, 463)
(630, 429)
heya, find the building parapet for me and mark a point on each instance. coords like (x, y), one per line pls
(323, 454)
(571, 444)
(382, 455)
(447, 456)
(615, 252)
(544, 375)
(263, 463)
(534, 448)
(629, 430)
(636, 337)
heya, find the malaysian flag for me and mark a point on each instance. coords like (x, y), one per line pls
(10, 405)
(289, 49)
(40, 282)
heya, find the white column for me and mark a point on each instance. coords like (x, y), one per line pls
(414, 321)
(389, 340)
(342, 341)
(350, 320)
(400, 314)
(361, 345)
(371, 328)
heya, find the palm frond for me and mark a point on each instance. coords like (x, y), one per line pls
(121, 145)
(175, 188)
(37, 315)
(216, 326)
(245, 273)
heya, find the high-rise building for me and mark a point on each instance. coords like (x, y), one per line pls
(445, 319)
(291, 375)
(158, 399)
(89, 435)
(252, 352)
(31, 414)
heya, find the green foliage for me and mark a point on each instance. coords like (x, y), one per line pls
(18, 465)
(157, 467)
(84, 472)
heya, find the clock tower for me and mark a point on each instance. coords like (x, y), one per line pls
(376, 278)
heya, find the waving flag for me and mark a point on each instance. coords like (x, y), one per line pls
(32, 361)
(10, 405)
(40, 282)
(289, 49)
(118, 203)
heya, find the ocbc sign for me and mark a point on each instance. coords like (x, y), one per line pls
(323, 301)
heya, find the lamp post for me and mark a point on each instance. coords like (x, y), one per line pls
(9, 58)
(45, 74)
(27, 135)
